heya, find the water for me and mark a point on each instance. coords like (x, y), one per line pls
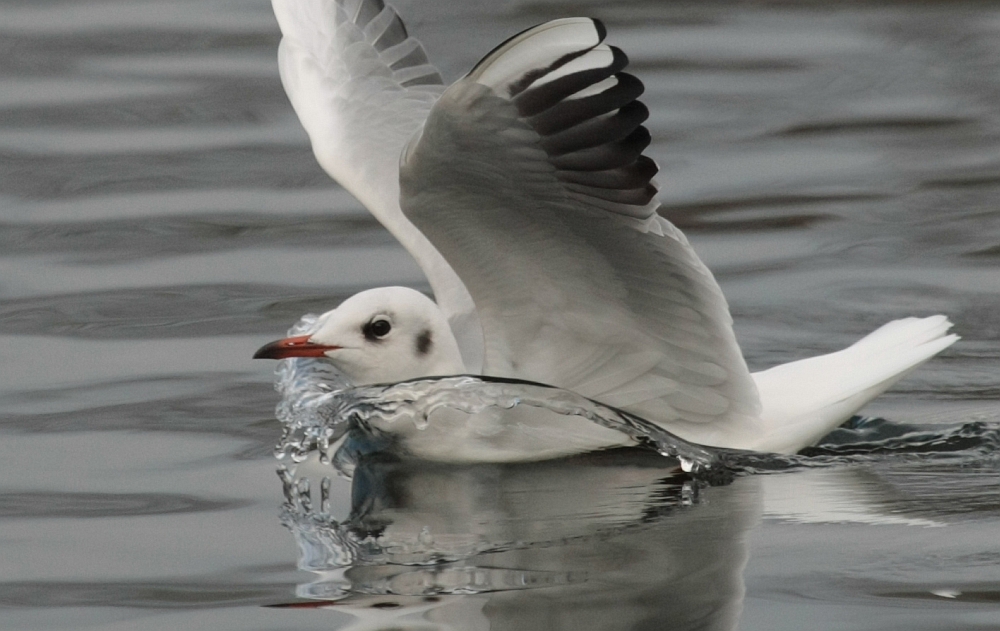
(162, 216)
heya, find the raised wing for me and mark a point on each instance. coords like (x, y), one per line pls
(361, 87)
(528, 176)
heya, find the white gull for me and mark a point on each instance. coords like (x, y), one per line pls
(522, 192)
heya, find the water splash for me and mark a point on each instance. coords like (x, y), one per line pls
(305, 386)
(866, 440)
(319, 408)
(323, 543)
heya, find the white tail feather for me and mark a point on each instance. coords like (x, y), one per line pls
(803, 400)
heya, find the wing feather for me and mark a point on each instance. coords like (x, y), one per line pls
(535, 188)
(361, 87)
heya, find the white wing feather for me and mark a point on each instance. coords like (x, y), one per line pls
(534, 188)
(361, 87)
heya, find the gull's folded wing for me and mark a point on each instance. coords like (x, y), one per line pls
(361, 87)
(528, 176)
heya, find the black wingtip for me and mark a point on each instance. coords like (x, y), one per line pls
(602, 30)
(620, 59)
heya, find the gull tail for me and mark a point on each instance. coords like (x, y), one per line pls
(804, 400)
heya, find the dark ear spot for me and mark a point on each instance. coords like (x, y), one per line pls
(424, 342)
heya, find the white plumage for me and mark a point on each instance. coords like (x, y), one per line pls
(523, 193)
(361, 87)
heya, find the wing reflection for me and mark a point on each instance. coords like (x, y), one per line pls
(614, 540)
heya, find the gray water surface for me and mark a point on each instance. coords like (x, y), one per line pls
(162, 215)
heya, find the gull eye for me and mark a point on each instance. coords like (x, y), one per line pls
(377, 329)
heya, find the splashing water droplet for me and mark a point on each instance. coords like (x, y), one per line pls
(324, 496)
(287, 483)
(304, 494)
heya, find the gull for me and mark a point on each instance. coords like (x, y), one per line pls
(523, 193)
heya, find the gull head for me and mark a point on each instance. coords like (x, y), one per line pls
(381, 335)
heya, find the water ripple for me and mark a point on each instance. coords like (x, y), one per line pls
(34, 504)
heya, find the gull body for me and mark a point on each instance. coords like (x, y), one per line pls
(523, 192)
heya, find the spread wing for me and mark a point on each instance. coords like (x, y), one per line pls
(528, 176)
(361, 87)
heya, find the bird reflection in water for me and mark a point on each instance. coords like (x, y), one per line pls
(613, 540)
